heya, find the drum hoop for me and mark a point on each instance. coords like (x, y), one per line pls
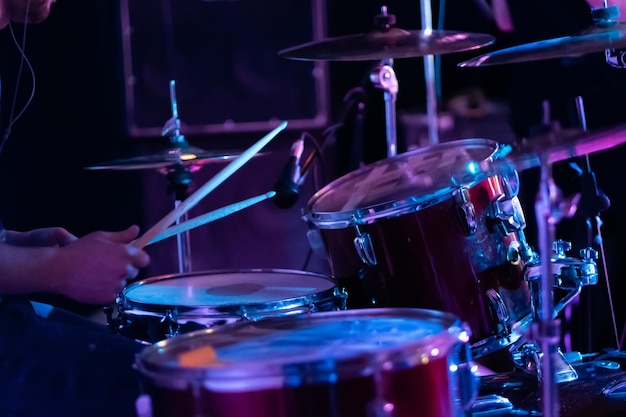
(249, 311)
(365, 215)
(169, 373)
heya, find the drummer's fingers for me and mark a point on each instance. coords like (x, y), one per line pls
(139, 257)
(131, 272)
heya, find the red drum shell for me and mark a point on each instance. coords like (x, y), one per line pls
(425, 257)
(343, 363)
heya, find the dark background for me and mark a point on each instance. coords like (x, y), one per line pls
(79, 116)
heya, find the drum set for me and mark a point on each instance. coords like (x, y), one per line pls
(436, 305)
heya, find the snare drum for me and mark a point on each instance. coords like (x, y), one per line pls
(431, 229)
(155, 308)
(351, 363)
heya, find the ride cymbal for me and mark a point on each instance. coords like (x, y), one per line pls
(595, 39)
(388, 43)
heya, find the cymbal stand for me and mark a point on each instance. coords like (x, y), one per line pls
(384, 77)
(178, 178)
(546, 328)
(429, 76)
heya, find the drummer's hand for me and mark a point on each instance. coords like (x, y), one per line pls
(94, 268)
(49, 236)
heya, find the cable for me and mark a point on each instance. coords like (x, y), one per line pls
(24, 60)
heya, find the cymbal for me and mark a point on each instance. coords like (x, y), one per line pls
(188, 156)
(595, 39)
(564, 144)
(387, 43)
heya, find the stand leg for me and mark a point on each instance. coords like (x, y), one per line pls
(546, 329)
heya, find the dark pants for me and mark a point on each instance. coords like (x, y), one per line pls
(63, 365)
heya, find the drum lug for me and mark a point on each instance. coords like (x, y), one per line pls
(341, 295)
(364, 247)
(171, 323)
(466, 211)
(499, 308)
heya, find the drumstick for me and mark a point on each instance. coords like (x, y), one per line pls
(211, 216)
(206, 188)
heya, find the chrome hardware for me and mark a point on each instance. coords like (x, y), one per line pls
(491, 405)
(364, 247)
(510, 214)
(528, 357)
(466, 211)
(569, 273)
(341, 295)
(499, 308)
(560, 247)
(172, 324)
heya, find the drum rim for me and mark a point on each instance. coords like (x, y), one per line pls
(359, 363)
(367, 214)
(241, 311)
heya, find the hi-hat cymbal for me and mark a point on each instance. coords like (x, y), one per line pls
(595, 39)
(387, 43)
(561, 145)
(188, 156)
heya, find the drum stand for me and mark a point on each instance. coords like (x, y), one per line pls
(429, 76)
(384, 77)
(546, 328)
(178, 179)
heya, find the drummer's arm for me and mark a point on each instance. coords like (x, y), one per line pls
(49, 236)
(26, 270)
(91, 269)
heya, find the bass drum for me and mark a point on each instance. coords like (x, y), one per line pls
(437, 228)
(164, 306)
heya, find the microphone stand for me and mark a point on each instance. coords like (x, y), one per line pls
(592, 202)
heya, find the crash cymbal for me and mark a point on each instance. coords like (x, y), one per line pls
(564, 144)
(387, 43)
(188, 156)
(595, 39)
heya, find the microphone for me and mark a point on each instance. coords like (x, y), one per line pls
(287, 186)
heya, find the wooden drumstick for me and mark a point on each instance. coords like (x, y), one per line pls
(206, 188)
(211, 216)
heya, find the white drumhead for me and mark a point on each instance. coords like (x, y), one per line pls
(226, 288)
(342, 343)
